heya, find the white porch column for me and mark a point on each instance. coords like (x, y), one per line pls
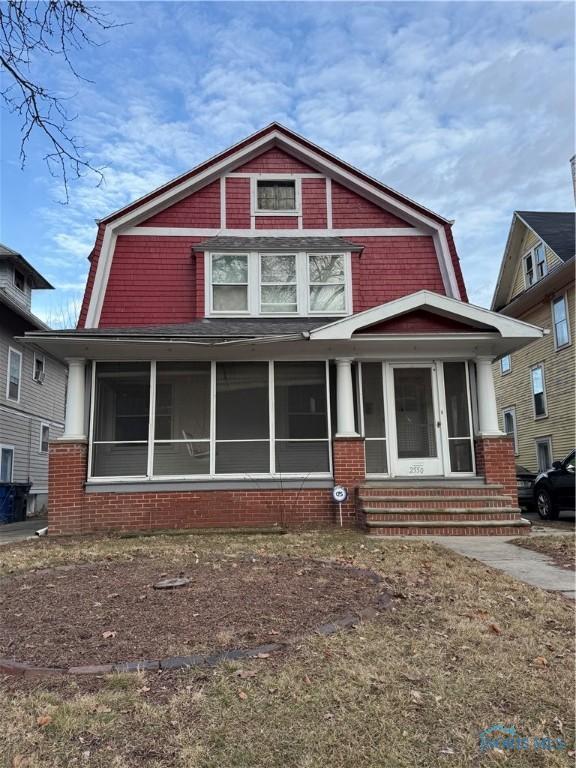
(487, 409)
(75, 396)
(344, 399)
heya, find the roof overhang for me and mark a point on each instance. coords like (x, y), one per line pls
(273, 136)
(335, 339)
(21, 312)
(554, 281)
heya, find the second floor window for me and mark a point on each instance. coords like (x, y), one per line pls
(505, 364)
(535, 267)
(14, 374)
(278, 284)
(560, 321)
(538, 391)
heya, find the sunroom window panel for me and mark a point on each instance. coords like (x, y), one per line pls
(300, 403)
(302, 457)
(188, 458)
(243, 457)
(122, 402)
(376, 458)
(119, 459)
(373, 400)
(182, 401)
(458, 417)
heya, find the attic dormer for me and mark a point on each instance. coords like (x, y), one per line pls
(18, 278)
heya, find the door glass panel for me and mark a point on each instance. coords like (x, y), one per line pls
(415, 420)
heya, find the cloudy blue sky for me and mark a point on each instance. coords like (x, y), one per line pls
(466, 107)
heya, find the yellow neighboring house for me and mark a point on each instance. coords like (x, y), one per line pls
(535, 386)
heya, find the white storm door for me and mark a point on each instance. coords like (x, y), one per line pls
(415, 422)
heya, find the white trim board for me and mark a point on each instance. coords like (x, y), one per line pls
(203, 232)
(349, 178)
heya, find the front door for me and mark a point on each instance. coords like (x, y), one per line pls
(415, 429)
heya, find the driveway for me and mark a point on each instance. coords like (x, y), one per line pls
(21, 531)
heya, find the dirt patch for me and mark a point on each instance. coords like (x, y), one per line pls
(562, 549)
(109, 611)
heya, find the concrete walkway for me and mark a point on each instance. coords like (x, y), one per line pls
(523, 564)
(13, 532)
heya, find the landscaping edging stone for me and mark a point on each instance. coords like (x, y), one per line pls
(340, 623)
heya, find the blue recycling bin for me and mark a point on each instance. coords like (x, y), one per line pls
(13, 498)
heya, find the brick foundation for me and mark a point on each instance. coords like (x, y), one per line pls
(72, 511)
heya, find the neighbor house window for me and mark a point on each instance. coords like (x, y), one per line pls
(535, 267)
(121, 419)
(327, 282)
(560, 322)
(38, 372)
(6, 463)
(230, 282)
(44, 437)
(544, 453)
(278, 284)
(276, 195)
(210, 419)
(509, 418)
(14, 374)
(505, 364)
(538, 391)
(19, 280)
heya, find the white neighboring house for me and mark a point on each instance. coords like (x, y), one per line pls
(32, 383)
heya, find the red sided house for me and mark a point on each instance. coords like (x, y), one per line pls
(266, 326)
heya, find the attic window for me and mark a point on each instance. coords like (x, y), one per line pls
(19, 280)
(276, 195)
(535, 267)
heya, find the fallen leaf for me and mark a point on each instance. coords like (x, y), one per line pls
(101, 709)
(244, 674)
(447, 751)
(113, 594)
(43, 720)
(19, 761)
(242, 695)
(262, 656)
(540, 661)
(108, 634)
(307, 680)
(493, 627)
(416, 697)
(146, 688)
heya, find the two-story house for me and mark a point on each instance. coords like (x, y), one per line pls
(32, 383)
(535, 385)
(265, 326)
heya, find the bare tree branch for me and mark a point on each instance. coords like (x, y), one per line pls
(29, 31)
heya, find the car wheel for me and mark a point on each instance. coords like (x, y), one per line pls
(545, 506)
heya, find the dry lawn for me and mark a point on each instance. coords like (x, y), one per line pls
(462, 648)
(562, 549)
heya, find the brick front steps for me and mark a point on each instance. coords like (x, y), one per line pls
(439, 508)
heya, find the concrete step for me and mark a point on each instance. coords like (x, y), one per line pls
(449, 528)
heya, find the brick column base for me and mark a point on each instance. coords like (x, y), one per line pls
(349, 463)
(496, 461)
(67, 467)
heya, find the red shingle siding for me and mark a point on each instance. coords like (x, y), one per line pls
(201, 209)
(352, 211)
(314, 204)
(276, 222)
(274, 161)
(153, 280)
(391, 267)
(237, 203)
(419, 322)
(91, 275)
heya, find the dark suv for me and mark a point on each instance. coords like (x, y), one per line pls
(554, 489)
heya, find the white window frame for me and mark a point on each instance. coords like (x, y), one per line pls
(564, 297)
(38, 356)
(297, 283)
(249, 285)
(43, 425)
(213, 476)
(302, 291)
(545, 414)
(511, 410)
(532, 253)
(347, 284)
(502, 371)
(256, 211)
(11, 351)
(10, 449)
(548, 441)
